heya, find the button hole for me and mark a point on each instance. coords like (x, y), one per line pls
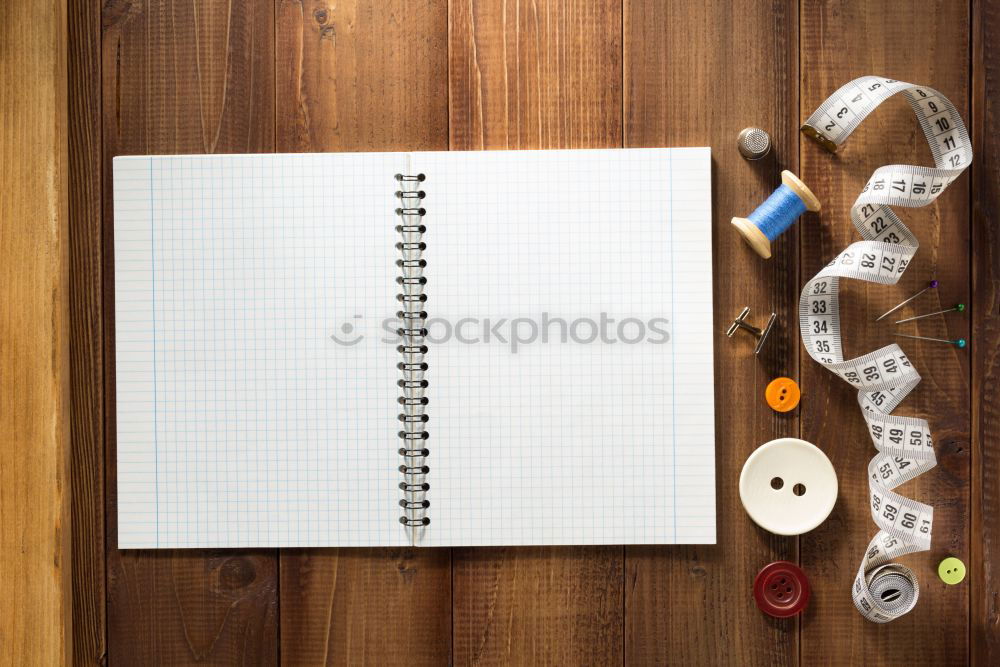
(799, 489)
(777, 483)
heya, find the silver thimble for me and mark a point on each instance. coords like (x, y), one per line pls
(754, 143)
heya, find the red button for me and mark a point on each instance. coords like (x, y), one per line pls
(781, 589)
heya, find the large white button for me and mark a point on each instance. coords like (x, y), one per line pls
(788, 486)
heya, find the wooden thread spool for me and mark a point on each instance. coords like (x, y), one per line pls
(776, 214)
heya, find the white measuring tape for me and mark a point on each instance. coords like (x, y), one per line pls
(883, 590)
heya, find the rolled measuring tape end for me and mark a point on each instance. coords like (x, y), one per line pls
(886, 592)
(776, 214)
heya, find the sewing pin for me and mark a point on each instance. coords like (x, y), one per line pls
(931, 285)
(959, 342)
(958, 307)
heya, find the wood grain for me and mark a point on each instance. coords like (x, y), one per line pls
(984, 577)
(541, 605)
(183, 77)
(366, 606)
(538, 75)
(86, 332)
(359, 76)
(192, 607)
(692, 80)
(35, 609)
(923, 43)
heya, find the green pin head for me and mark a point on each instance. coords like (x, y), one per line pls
(960, 307)
(960, 342)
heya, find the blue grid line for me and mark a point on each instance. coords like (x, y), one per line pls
(152, 270)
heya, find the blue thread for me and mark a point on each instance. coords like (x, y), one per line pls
(778, 212)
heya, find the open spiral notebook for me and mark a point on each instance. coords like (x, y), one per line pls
(428, 348)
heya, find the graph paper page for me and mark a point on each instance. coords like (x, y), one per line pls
(241, 421)
(571, 383)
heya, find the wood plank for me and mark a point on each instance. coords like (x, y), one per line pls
(358, 77)
(696, 74)
(929, 45)
(538, 75)
(86, 331)
(35, 610)
(984, 569)
(539, 605)
(183, 77)
(366, 606)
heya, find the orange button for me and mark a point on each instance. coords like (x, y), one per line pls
(782, 394)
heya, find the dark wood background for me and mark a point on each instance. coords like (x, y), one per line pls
(202, 76)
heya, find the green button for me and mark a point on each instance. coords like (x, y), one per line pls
(951, 570)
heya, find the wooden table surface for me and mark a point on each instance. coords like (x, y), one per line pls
(216, 76)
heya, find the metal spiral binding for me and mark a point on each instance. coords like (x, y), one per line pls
(412, 317)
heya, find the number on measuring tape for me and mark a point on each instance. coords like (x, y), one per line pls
(883, 590)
